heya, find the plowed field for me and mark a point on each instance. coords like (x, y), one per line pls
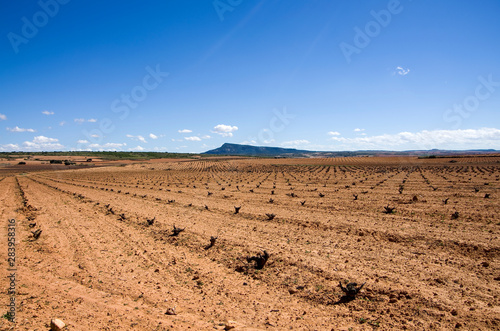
(430, 263)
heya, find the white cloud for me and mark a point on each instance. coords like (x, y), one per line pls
(483, 138)
(9, 147)
(225, 130)
(160, 149)
(402, 71)
(94, 135)
(107, 146)
(139, 138)
(136, 149)
(82, 120)
(295, 143)
(249, 142)
(206, 137)
(42, 143)
(44, 140)
(193, 138)
(18, 129)
(46, 112)
(3, 117)
(82, 141)
(153, 136)
(333, 133)
(185, 131)
(359, 130)
(62, 123)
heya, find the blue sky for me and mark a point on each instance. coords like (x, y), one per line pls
(188, 76)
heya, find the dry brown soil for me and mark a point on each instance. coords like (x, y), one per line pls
(98, 265)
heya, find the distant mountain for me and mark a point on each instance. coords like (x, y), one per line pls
(248, 150)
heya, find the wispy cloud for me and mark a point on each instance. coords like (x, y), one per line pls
(268, 141)
(224, 130)
(3, 117)
(333, 133)
(359, 130)
(139, 138)
(62, 123)
(82, 120)
(82, 141)
(185, 131)
(441, 139)
(194, 138)
(153, 136)
(46, 112)
(18, 129)
(136, 149)
(249, 142)
(107, 146)
(295, 143)
(402, 71)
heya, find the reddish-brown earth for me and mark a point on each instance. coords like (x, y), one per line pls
(97, 265)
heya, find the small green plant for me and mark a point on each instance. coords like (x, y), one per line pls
(8, 316)
(372, 323)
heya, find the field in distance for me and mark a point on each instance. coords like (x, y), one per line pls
(422, 235)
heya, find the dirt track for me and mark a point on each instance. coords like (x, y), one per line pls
(98, 266)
